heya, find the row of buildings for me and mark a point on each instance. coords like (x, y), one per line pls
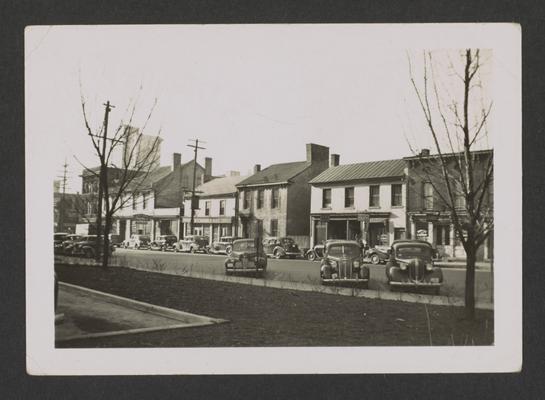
(310, 201)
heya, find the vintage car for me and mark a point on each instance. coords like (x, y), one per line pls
(378, 254)
(116, 240)
(87, 246)
(316, 253)
(245, 258)
(69, 243)
(411, 266)
(58, 238)
(137, 242)
(193, 244)
(343, 264)
(281, 247)
(223, 246)
(164, 243)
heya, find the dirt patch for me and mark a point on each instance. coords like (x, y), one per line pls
(261, 316)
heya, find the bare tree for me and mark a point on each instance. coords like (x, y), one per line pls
(119, 181)
(459, 175)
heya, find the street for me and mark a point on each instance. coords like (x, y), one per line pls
(299, 270)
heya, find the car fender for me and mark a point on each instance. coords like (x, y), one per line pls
(280, 250)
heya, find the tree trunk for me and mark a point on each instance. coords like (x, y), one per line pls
(106, 248)
(470, 281)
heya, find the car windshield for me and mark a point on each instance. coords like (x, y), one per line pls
(344, 250)
(287, 241)
(59, 236)
(247, 245)
(144, 238)
(407, 252)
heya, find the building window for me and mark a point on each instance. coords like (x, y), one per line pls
(275, 197)
(399, 233)
(442, 235)
(349, 197)
(397, 196)
(260, 197)
(428, 196)
(326, 198)
(246, 204)
(144, 200)
(206, 208)
(222, 207)
(134, 201)
(274, 227)
(374, 196)
(185, 182)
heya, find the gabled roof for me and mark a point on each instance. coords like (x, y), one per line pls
(146, 182)
(219, 186)
(362, 171)
(276, 173)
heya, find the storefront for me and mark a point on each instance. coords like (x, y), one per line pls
(212, 227)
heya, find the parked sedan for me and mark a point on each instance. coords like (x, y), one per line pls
(58, 238)
(137, 242)
(69, 243)
(411, 266)
(378, 254)
(223, 246)
(245, 258)
(164, 242)
(87, 246)
(193, 244)
(281, 247)
(343, 264)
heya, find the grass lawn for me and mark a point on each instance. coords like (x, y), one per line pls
(261, 316)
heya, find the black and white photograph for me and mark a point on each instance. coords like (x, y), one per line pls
(273, 198)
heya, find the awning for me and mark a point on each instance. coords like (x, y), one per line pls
(378, 220)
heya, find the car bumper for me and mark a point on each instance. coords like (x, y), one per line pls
(242, 270)
(416, 284)
(352, 280)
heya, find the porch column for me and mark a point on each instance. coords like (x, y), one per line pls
(152, 229)
(210, 238)
(430, 232)
(413, 229)
(452, 240)
(312, 231)
(128, 229)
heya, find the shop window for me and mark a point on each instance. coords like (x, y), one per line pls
(326, 198)
(399, 233)
(275, 198)
(206, 208)
(397, 196)
(374, 196)
(222, 207)
(428, 196)
(274, 227)
(260, 197)
(348, 197)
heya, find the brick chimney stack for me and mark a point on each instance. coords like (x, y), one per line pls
(425, 152)
(257, 168)
(334, 160)
(207, 169)
(317, 153)
(176, 160)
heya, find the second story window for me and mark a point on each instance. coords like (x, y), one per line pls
(397, 196)
(428, 196)
(326, 198)
(246, 202)
(274, 227)
(260, 197)
(222, 207)
(374, 196)
(144, 200)
(275, 198)
(206, 208)
(349, 197)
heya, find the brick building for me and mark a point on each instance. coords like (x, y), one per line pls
(364, 199)
(278, 197)
(428, 216)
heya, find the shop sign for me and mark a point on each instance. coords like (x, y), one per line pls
(422, 234)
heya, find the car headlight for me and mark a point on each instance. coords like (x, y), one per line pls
(333, 264)
(402, 266)
(429, 266)
(356, 264)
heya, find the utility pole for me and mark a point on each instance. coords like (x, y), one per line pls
(103, 178)
(195, 148)
(62, 204)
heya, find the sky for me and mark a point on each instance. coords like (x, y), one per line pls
(255, 94)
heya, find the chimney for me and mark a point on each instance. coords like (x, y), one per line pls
(207, 169)
(234, 173)
(334, 160)
(425, 153)
(257, 168)
(176, 160)
(317, 153)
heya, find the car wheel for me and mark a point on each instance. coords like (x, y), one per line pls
(192, 250)
(89, 253)
(393, 288)
(311, 256)
(277, 254)
(375, 259)
(437, 291)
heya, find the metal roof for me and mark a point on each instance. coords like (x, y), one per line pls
(276, 173)
(219, 186)
(362, 171)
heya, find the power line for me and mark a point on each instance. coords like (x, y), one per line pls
(195, 148)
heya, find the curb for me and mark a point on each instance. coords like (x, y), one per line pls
(188, 320)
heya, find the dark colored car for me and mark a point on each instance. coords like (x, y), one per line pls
(223, 246)
(58, 238)
(164, 242)
(378, 254)
(343, 264)
(246, 258)
(69, 243)
(281, 247)
(86, 247)
(411, 266)
(316, 253)
(116, 240)
(193, 244)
